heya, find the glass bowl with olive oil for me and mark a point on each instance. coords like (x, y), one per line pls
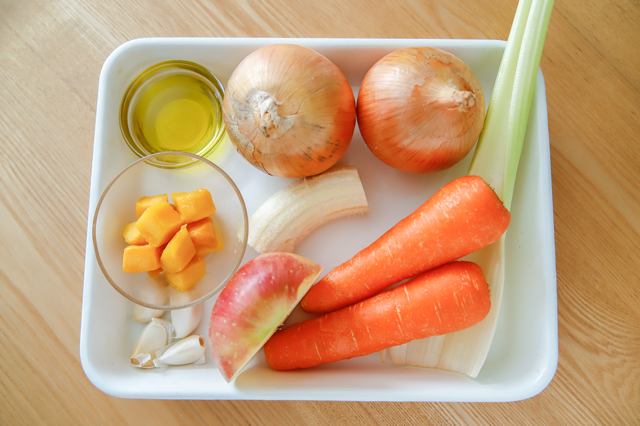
(173, 106)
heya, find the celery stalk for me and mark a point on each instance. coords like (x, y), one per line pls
(498, 152)
(496, 160)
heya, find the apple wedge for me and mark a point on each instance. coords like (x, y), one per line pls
(256, 300)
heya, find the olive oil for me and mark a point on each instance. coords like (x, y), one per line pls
(174, 106)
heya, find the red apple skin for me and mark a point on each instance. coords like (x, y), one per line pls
(256, 300)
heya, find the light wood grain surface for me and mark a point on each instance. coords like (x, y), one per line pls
(51, 53)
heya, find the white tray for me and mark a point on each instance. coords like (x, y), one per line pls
(524, 353)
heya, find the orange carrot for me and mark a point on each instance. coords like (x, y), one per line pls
(446, 299)
(462, 217)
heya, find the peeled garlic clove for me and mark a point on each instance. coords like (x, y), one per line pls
(186, 320)
(143, 314)
(152, 293)
(189, 350)
(156, 335)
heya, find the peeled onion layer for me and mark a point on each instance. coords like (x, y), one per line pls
(292, 213)
(289, 111)
(420, 109)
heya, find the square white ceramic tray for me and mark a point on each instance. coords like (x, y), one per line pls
(523, 357)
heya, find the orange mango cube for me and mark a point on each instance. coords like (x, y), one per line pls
(159, 223)
(156, 272)
(190, 275)
(132, 235)
(205, 236)
(194, 205)
(144, 203)
(178, 253)
(141, 258)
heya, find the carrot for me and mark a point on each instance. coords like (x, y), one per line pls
(443, 300)
(463, 216)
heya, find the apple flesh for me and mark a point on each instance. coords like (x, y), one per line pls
(256, 300)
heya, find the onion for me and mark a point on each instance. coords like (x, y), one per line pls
(289, 111)
(420, 110)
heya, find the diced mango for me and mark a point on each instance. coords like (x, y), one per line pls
(170, 239)
(205, 236)
(178, 252)
(156, 272)
(132, 235)
(190, 275)
(144, 203)
(159, 223)
(141, 258)
(194, 205)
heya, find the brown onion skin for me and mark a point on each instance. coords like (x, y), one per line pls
(404, 125)
(313, 90)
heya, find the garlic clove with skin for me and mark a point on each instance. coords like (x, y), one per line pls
(189, 350)
(156, 335)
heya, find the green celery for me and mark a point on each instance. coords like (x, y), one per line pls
(498, 152)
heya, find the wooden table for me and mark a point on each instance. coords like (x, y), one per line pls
(51, 53)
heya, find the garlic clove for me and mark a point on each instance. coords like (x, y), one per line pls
(189, 350)
(153, 293)
(184, 320)
(156, 335)
(143, 314)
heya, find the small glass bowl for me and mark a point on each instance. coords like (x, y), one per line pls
(188, 97)
(116, 208)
